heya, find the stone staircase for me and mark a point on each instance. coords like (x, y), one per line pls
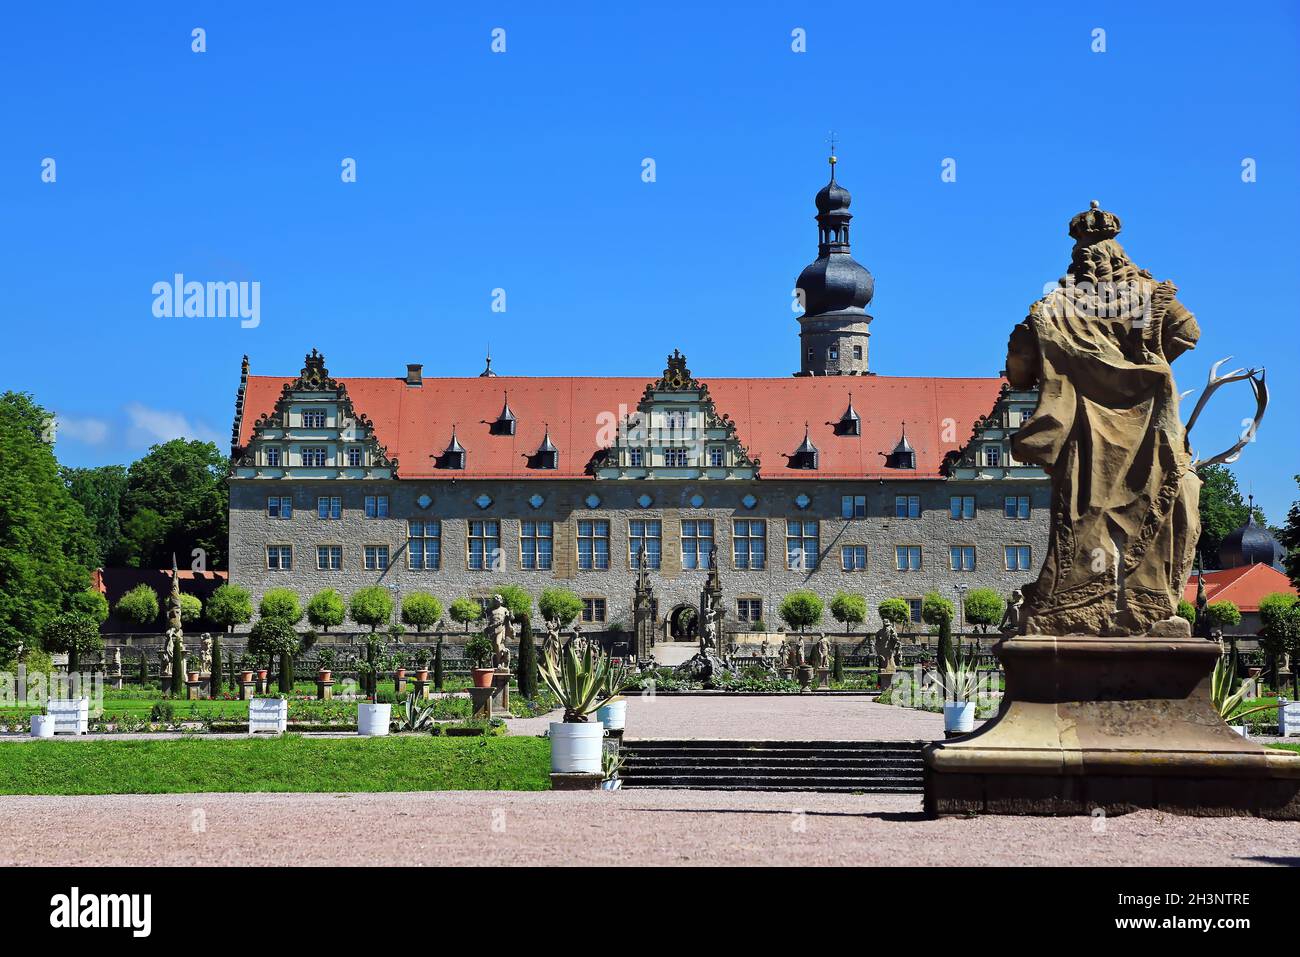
(847, 766)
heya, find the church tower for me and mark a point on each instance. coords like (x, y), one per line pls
(836, 290)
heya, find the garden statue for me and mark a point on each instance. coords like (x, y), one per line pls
(1010, 625)
(117, 661)
(1108, 694)
(822, 652)
(499, 630)
(165, 658)
(794, 652)
(205, 655)
(764, 649)
(551, 643)
(887, 643)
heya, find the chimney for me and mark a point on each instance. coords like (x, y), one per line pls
(414, 374)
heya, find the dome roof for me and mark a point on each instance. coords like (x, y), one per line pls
(833, 198)
(836, 282)
(1250, 545)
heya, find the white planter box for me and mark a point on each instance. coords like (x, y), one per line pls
(615, 784)
(1288, 717)
(575, 748)
(268, 714)
(42, 726)
(373, 719)
(70, 715)
(613, 715)
(959, 716)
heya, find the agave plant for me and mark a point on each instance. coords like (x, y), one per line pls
(611, 762)
(412, 717)
(581, 681)
(959, 680)
(1227, 691)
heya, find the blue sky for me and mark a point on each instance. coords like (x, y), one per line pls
(522, 171)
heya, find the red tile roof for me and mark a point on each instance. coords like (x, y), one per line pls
(1243, 586)
(415, 422)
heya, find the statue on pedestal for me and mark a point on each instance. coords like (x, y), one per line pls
(1010, 625)
(117, 661)
(821, 656)
(205, 655)
(551, 644)
(887, 643)
(499, 629)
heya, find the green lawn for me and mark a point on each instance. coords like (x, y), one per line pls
(1286, 747)
(288, 763)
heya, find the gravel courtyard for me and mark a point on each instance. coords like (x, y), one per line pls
(631, 827)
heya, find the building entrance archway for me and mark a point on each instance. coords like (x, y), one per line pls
(683, 622)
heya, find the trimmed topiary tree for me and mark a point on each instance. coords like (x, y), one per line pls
(938, 612)
(74, 633)
(144, 669)
(895, 610)
(1223, 614)
(371, 606)
(1187, 611)
(1277, 633)
(229, 605)
(465, 611)
(801, 609)
(984, 608)
(326, 609)
(438, 672)
(275, 636)
(282, 603)
(214, 678)
(526, 666)
(90, 603)
(421, 610)
(849, 609)
(191, 609)
(559, 604)
(139, 606)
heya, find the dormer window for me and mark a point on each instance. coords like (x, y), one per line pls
(505, 423)
(806, 456)
(454, 456)
(313, 419)
(903, 456)
(850, 422)
(547, 455)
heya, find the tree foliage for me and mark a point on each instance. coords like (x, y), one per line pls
(47, 545)
(849, 609)
(937, 610)
(559, 604)
(139, 606)
(1223, 614)
(281, 603)
(895, 610)
(1289, 538)
(326, 609)
(175, 501)
(372, 606)
(465, 611)
(801, 609)
(99, 491)
(92, 603)
(421, 610)
(230, 605)
(1186, 610)
(984, 607)
(191, 608)
(74, 633)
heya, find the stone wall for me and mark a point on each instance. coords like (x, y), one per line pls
(564, 503)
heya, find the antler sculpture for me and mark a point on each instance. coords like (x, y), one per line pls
(1257, 385)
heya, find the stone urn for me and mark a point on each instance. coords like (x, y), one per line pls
(804, 675)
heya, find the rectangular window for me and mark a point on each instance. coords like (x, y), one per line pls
(354, 457)
(279, 557)
(329, 506)
(593, 544)
(907, 506)
(535, 545)
(961, 507)
(697, 543)
(857, 352)
(853, 506)
(329, 557)
(907, 558)
(1017, 558)
(313, 457)
(749, 543)
(717, 457)
(962, 558)
(634, 458)
(593, 609)
(993, 455)
(313, 419)
(914, 607)
(749, 609)
(485, 545)
(376, 506)
(273, 457)
(647, 535)
(279, 506)
(1016, 506)
(675, 458)
(854, 558)
(424, 545)
(801, 545)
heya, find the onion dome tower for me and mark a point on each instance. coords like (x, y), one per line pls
(836, 291)
(1250, 545)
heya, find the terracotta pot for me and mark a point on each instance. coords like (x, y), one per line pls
(261, 674)
(192, 675)
(400, 673)
(483, 677)
(323, 674)
(245, 677)
(422, 675)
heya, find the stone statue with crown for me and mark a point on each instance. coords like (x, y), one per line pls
(1107, 700)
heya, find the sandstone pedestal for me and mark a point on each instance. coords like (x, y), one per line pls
(115, 682)
(823, 678)
(501, 689)
(324, 689)
(576, 782)
(423, 689)
(194, 690)
(1118, 724)
(399, 684)
(247, 690)
(886, 679)
(483, 702)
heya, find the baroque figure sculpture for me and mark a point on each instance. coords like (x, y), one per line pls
(499, 629)
(822, 652)
(551, 643)
(205, 655)
(1010, 625)
(1107, 430)
(887, 643)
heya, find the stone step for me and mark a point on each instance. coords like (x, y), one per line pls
(746, 772)
(712, 761)
(865, 785)
(698, 743)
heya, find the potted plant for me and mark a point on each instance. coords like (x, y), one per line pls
(399, 666)
(611, 762)
(246, 668)
(373, 718)
(479, 652)
(1227, 692)
(959, 683)
(325, 664)
(612, 713)
(579, 681)
(422, 665)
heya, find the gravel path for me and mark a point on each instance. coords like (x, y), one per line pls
(631, 827)
(808, 717)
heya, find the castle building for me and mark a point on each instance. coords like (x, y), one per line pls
(834, 479)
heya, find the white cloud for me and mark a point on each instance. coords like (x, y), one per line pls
(151, 426)
(88, 431)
